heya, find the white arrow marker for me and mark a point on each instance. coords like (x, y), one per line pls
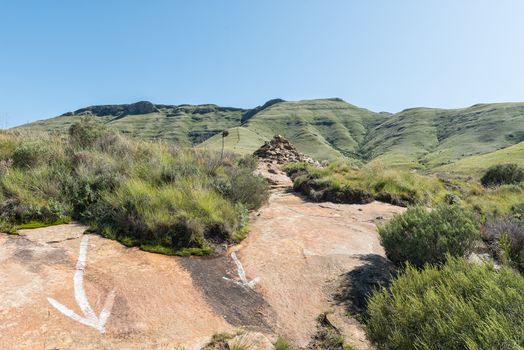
(242, 274)
(89, 318)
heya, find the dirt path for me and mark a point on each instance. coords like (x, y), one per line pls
(295, 253)
(301, 250)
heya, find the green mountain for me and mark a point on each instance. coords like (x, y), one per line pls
(323, 129)
(187, 125)
(430, 137)
(327, 129)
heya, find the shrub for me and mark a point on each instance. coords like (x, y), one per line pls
(29, 154)
(451, 199)
(293, 168)
(85, 133)
(419, 236)
(503, 174)
(457, 306)
(252, 191)
(506, 238)
(7, 227)
(517, 212)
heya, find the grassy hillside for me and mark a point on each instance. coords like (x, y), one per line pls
(240, 140)
(185, 125)
(423, 137)
(476, 165)
(326, 129)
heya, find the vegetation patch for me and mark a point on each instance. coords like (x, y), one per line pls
(39, 224)
(503, 174)
(147, 194)
(456, 306)
(327, 337)
(219, 341)
(421, 236)
(505, 236)
(342, 182)
(346, 182)
(282, 344)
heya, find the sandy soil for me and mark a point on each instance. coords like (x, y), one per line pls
(296, 251)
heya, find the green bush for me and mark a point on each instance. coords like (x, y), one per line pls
(85, 133)
(457, 306)
(503, 174)
(30, 154)
(7, 227)
(421, 236)
(251, 191)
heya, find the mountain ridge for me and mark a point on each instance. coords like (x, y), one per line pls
(325, 129)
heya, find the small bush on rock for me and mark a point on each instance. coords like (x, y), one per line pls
(420, 236)
(505, 236)
(503, 174)
(457, 306)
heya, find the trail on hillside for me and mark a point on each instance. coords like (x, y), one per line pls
(277, 281)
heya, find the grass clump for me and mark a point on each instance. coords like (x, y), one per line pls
(219, 341)
(456, 306)
(38, 224)
(147, 194)
(503, 174)
(282, 344)
(327, 337)
(344, 183)
(7, 227)
(420, 236)
(489, 201)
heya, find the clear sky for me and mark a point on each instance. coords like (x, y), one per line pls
(57, 56)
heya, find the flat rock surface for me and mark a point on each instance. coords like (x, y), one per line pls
(295, 253)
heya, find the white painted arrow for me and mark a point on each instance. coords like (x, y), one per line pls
(89, 318)
(242, 274)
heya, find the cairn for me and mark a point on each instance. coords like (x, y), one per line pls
(280, 151)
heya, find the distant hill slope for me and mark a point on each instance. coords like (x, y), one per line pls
(184, 124)
(326, 129)
(476, 165)
(424, 137)
(323, 129)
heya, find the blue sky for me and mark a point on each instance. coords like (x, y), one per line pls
(58, 56)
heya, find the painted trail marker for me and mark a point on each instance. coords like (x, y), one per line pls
(89, 319)
(242, 274)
